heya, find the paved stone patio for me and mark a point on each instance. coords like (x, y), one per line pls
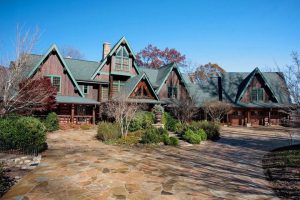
(77, 166)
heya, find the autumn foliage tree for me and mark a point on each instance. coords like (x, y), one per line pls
(153, 57)
(19, 93)
(204, 72)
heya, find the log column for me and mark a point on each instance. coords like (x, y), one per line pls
(94, 115)
(248, 117)
(72, 113)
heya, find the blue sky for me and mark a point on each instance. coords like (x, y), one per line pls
(238, 35)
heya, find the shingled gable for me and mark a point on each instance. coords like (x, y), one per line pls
(164, 73)
(245, 83)
(132, 83)
(112, 51)
(42, 59)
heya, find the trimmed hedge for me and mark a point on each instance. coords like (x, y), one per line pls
(108, 131)
(143, 120)
(52, 122)
(27, 134)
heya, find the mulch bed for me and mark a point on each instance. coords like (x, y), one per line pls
(282, 169)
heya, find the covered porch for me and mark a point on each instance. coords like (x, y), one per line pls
(77, 110)
(256, 117)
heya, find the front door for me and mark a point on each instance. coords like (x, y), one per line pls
(81, 111)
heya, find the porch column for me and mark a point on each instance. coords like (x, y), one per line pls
(94, 115)
(72, 113)
(248, 117)
(99, 93)
(111, 80)
(269, 118)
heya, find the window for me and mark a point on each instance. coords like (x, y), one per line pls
(257, 94)
(117, 87)
(122, 60)
(172, 92)
(56, 82)
(85, 89)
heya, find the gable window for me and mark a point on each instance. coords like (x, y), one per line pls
(56, 82)
(122, 60)
(257, 94)
(85, 89)
(172, 92)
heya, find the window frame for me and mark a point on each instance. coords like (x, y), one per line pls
(121, 58)
(87, 89)
(172, 90)
(258, 92)
(51, 76)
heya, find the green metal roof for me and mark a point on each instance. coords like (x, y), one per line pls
(235, 82)
(75, 100)
(82, 69)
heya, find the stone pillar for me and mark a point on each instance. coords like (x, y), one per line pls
(248, 117)
(72, 113)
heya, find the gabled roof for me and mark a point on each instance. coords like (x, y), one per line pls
(131, 84)
(244, 85)
(39, 60)
(112, 51)
(158, 76)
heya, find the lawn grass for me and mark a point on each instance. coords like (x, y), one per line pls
(282, 168)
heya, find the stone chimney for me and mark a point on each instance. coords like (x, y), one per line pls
(106, 49)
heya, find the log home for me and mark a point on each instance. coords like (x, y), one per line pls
(82, 85)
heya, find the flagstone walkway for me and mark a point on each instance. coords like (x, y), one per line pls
(77, 166)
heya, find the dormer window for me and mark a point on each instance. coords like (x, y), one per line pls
(122, 59)
(257, 94)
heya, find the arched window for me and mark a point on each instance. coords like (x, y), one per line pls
(122, 59)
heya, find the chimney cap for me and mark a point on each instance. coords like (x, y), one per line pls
(106, 43)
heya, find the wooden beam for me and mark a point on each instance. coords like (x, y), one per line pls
(111, 80)
(100, 93)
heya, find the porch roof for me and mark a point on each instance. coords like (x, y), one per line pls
(76, 100)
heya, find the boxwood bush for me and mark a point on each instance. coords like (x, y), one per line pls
(141, 121)
(27, 134)
(108, 131)
(52, 122)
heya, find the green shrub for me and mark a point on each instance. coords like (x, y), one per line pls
(174, 141)
(192, 137)
(52, 122)
(2, 181)
(142, 120)
(211, 129)
(202, 134)
(180, 127)
(24, 133)
(169, 122)
(31, 132)
(154, 135)
(166, 139)
(108, 131)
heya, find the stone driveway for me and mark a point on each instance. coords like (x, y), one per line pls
(77, 166)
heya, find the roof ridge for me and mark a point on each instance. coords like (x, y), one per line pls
(80, 59)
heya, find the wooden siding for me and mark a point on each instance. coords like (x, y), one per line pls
(257, 82)
(53, 66)
(142, 91)
(173, 80)
(92, 90)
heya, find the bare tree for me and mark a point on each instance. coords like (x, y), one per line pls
(185, 109)
(123, 111)
(71, 52)
(217, 109)
(18, 92)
